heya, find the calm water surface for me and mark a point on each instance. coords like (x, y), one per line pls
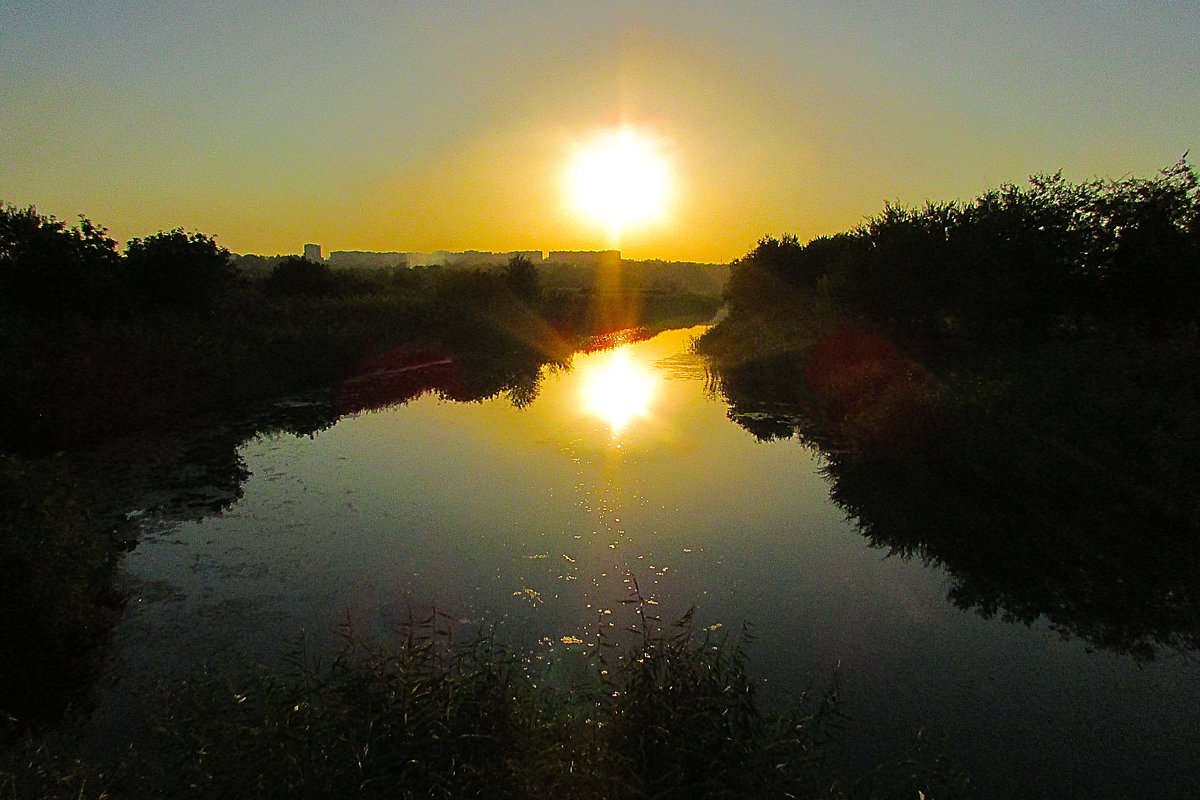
(624, 467)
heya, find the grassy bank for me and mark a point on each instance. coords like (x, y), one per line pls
(56, 596)
(78, 382)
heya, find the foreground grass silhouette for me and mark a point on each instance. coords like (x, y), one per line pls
(424, 716)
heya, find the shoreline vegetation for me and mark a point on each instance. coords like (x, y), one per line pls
(1008, 387)
(95, 344)
(425, 714)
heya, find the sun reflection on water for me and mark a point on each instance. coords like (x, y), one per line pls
(616, 390)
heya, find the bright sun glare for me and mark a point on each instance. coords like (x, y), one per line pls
(616, 390)
(620, 179)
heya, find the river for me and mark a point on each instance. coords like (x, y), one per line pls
(538, 517)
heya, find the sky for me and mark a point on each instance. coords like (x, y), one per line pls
(419, 126)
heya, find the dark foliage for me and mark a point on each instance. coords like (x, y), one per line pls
(522, 280)
(175, 270)
(425, 716)
(1033, 261)
(296, 275)
(56, 596)
(49, 269)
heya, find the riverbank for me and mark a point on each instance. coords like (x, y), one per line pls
(1053, 473)
(76, 381)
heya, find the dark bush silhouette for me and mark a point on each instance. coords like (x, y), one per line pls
(296, 275)
(48, 268)
(760, 279)
(178, 270)
(1017, 258)
(1151, 244)
(1031, 261)
(56, 597)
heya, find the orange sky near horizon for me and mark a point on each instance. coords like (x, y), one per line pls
(414, 127)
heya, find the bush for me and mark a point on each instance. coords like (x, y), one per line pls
(1032, 261)
(297, 275)
(522, 280)
(178, 270)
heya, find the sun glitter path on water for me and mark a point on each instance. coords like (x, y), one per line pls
(617, 391)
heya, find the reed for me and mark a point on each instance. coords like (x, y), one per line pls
(423, 714)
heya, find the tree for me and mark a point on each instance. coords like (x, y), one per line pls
(48, 268)
(1018, 257)
(174, 269)
(296, 275)
(521, 278)
(759, 279)
(1153, 229)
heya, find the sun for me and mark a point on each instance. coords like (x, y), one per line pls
(620, 179)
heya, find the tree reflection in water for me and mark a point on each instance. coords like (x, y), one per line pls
(198, 471)
(1034, 513)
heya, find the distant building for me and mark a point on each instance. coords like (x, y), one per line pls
(586, 258)
(486, 258)
(363, 258)
(466, 258)
(607, 259)
(313, 252)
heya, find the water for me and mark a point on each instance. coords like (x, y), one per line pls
(537, 520)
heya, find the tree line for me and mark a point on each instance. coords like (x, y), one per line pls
(48, 268)
(1041, 259)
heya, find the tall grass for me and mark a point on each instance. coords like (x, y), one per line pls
(425, 715)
